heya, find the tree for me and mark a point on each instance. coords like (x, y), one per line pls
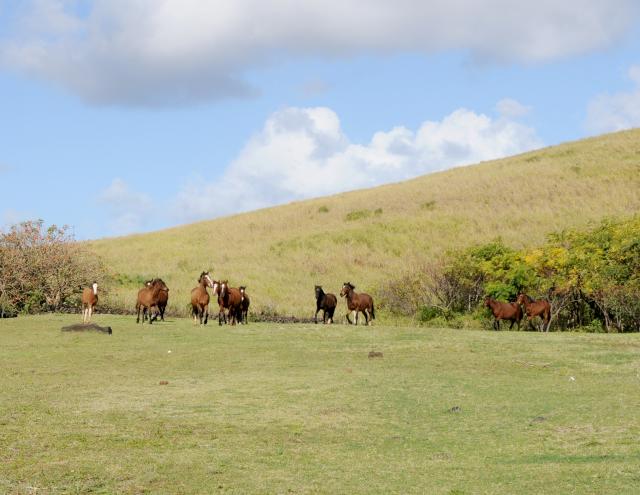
(43, 268)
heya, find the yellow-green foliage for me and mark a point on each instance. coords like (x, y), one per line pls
(280, 253)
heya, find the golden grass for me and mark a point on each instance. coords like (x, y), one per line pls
(371, 235)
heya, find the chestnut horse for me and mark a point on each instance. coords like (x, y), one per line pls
(229, 299)
(200, 299)
(533, 308)
(358, 303)
(244, 305)
(148, 298)
(325, 302)
(89, 301)
(504, 311)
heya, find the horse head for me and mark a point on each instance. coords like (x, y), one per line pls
(347, 287)
(522, 298)
(224, 286)
(242, 288)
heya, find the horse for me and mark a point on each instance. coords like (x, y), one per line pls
(533, 308)
(358, 303)
(325, 302)
(148, 298)
(163, 299)
(200, 299)
(229, 299)
(504, 311)
(244, 305)
(89, 301)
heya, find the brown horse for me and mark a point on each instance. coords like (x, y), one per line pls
(533, 308)
(358, 303)
(89, 301)
(148, 299)
(163, 299)
(325, 302)
(504, 311)
(200, 299)
(229, 299)
(244, 305)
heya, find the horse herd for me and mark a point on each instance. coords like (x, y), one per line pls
(512, 311)
(233, 304)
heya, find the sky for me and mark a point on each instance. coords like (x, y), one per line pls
(130, 116)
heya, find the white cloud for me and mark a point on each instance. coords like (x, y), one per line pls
(512, 109)
(146, 52)
(618, 111)
(129, 211)
(302, 153)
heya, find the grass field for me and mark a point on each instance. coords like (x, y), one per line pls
(268, 408)
(372, 235)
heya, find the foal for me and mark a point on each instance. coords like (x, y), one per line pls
(89, 300)
(325, 302)
(541, 308)
(358, 303)
(504, 311)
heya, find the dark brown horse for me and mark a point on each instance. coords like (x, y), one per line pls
(229, 299)
(504, 311)
(325, 302)
(533, 308)
(89, 301)
(244, 305)
(358, 303)
(148, 299)
(200, 299)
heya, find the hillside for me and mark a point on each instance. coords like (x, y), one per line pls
(371, 235)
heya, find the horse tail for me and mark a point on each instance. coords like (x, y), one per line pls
(373, 311)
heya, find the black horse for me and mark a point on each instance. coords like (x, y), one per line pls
(325, 302)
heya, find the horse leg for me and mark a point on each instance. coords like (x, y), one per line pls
(367, 317)
(315, 317)
(90, 312)
(206, 314)
(512, 322)
(347, 317)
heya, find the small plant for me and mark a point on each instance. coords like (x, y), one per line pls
(428, 205)
(357, 215)
(323, 209)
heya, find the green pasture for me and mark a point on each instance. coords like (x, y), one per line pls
(269, 408)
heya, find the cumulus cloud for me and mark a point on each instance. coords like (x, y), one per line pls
(303, 152)
(144, 52)
(618, 111)
(128, 210)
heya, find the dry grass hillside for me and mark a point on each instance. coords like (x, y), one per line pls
(370, 235)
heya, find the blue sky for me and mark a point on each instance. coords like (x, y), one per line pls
(129, 116)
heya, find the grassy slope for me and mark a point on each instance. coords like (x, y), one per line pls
(301, 409)
(281, 252)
